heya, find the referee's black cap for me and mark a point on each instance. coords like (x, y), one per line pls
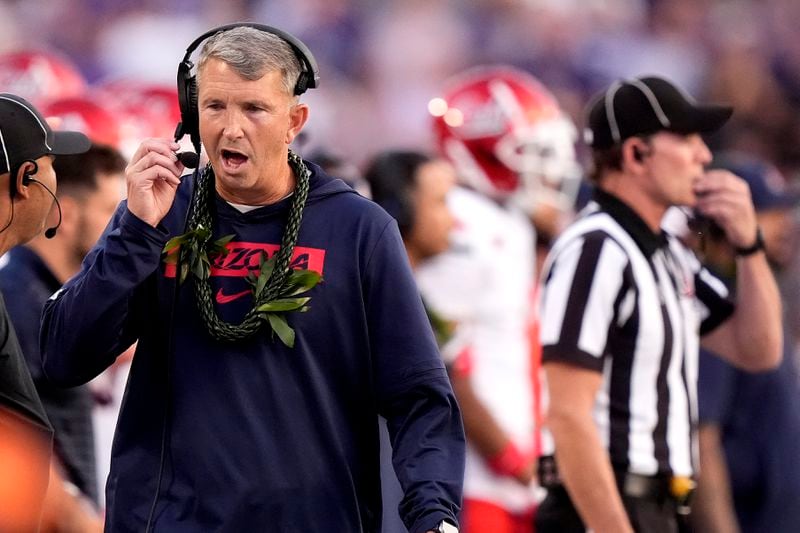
(25, 134)
(643, 106)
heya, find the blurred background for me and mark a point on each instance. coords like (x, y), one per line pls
(107, 67)
(382, 60)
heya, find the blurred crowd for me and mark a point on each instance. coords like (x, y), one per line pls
(107, 67)
(382, 60)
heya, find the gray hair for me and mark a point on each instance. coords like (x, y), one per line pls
(252, 53)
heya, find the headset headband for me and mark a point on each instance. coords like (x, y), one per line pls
(187, 83)
(301, 50)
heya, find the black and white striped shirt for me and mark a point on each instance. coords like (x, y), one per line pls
(632, 304)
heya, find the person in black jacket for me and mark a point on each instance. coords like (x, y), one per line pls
(90, 187)
(27, 147)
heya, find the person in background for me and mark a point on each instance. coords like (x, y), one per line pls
(412, 187)
(749, 423)
(625, 306)
(513, 150)
(90, 186)
(212, 275)
(26, 174)
(113, 115)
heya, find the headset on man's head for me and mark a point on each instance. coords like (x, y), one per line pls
(27, 176)
(187, 81)
(190, 124)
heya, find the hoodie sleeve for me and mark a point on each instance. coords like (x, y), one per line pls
(93, 318)
(413, 390)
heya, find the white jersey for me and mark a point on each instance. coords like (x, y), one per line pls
(484, 284)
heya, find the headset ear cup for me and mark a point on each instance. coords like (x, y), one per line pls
(302, 84)
(187, 100)
(193, 113)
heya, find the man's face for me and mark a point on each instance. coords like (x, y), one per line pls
(95, 210)
(246, 127)
(675, 163)
(433, 220)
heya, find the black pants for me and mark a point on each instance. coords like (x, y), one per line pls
(556, 514)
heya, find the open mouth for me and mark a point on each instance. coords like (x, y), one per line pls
(233, 159)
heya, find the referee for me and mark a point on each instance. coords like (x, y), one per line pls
(625, 307)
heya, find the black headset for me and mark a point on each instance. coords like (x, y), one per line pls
(12, 187)
(187, 81)
(27, 177)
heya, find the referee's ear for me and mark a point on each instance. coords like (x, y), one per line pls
(634, 152)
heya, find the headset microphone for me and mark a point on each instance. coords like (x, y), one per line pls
(50, 232)
(189, 159)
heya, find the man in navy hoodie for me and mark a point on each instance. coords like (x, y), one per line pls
(243, 413)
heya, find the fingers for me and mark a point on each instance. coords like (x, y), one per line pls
(157, 165)
(162, 146)
(722, 199)
(153, 177)
(154, 160)
(725, 198)
(722, 187)
(721, 180)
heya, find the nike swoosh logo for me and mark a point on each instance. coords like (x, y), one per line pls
(228, 298)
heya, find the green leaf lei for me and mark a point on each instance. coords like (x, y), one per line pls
(443, 330)
(277, 288)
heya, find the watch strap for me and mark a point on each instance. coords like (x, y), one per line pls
(753, 248)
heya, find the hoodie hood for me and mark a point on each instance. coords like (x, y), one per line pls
(322, 185)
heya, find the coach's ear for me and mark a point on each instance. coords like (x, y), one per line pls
(298, 116)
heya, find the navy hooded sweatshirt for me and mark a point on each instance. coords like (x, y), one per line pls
(252, 435)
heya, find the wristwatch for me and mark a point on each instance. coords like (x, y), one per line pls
(446, 527)
(753, 248)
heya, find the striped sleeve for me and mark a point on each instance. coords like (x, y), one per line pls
(714, 298)
(580, 300)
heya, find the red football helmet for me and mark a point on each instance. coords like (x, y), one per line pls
(83, 114)
(39, 76)
(145, 110)
(508, 137)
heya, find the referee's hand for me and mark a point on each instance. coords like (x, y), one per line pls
(725, 198)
